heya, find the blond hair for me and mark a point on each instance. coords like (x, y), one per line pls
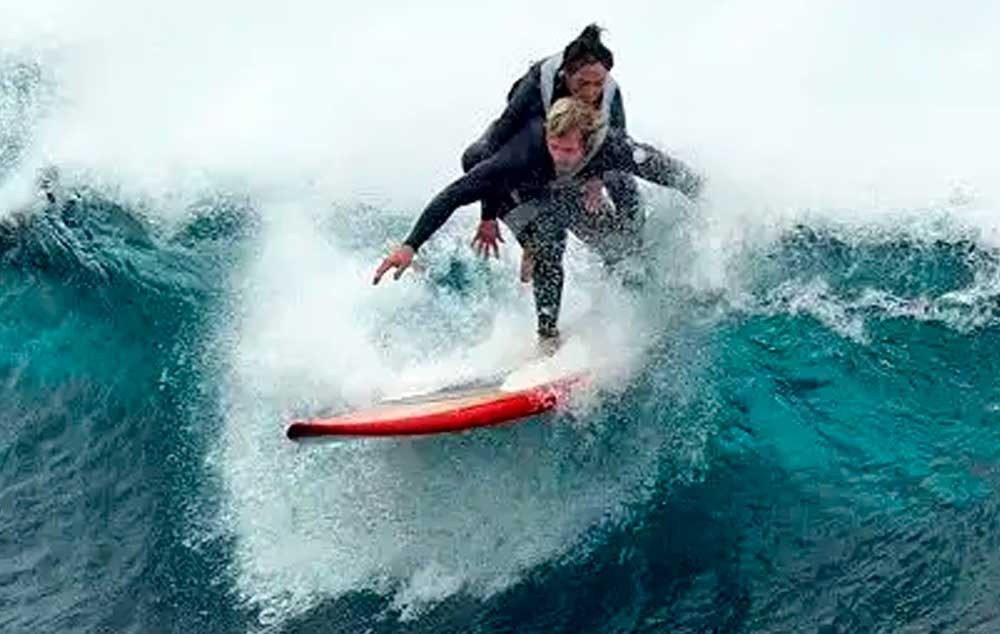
(568, 114)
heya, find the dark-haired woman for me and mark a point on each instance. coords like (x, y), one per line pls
(581, 70)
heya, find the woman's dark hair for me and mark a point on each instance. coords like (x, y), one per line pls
(587, 49)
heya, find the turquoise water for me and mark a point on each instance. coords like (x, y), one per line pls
(815, 453)
(796, 429)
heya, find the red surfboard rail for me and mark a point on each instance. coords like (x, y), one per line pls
(436, 415)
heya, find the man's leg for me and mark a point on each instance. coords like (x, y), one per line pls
(527, 273)
(540, 226)
(549, 237)
(521, 220)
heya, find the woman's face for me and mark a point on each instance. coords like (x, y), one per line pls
(587, 83)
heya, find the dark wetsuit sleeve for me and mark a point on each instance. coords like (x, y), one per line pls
(617, 113)
(524, 103)
(502, 171)
(473, 186)
(621, 152)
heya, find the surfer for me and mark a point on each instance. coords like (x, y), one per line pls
(581, 70)
(544, 163)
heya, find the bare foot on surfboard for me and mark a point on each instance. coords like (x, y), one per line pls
(548, 346)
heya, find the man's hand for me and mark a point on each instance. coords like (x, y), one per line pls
(487, 239)
(400, 259)
(593, 195)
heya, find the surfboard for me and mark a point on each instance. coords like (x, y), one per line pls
(447, 411)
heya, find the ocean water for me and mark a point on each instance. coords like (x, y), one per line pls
(801, 431)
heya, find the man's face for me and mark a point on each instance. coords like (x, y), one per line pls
(566, 150)
(587, 83)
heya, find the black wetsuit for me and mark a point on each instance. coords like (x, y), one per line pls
(523, 164)
(525, 102)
